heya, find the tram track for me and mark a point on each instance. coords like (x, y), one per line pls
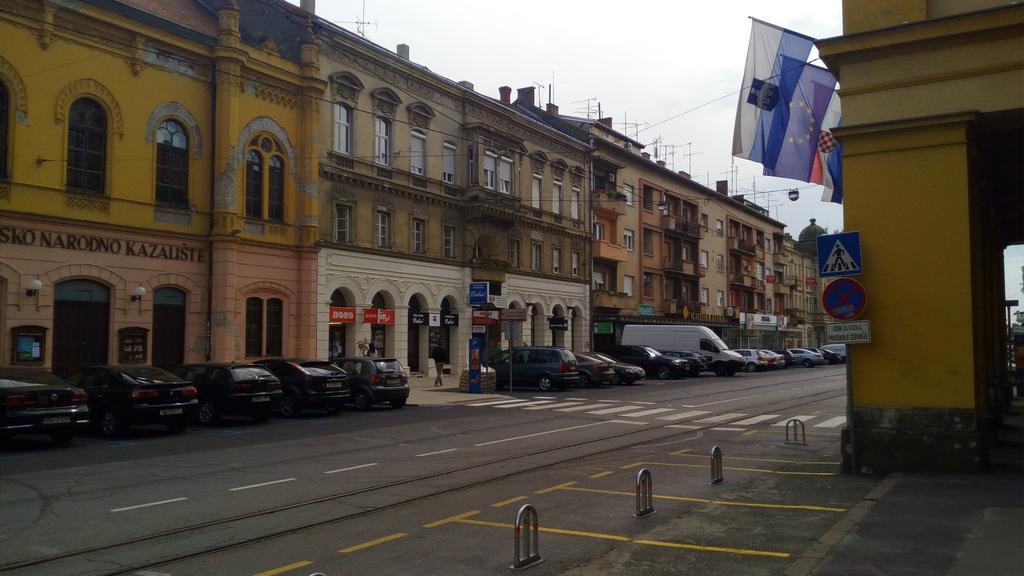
(106, 553)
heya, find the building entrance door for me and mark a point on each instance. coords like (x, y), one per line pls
(81, 324)
(168, 328)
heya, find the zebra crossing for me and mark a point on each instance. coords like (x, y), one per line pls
(674, 417)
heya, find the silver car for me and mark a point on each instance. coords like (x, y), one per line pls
(807, 358)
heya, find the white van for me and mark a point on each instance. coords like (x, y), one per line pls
(682, 337)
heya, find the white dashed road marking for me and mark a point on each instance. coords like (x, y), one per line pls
(831, 422)
(534, 403)
(614, 410)
(648, 412)
(803, 418)
(584, 407)
(550, 406)
(261, 484)
(683, 415)
(147, 505)
(350, 468)
(756, 419)
(721, 418)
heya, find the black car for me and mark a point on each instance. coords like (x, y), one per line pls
(624, 373)
(652, 361)
(375, 380)
(788, 356)
(125, 396)
(698, 363)
(595, 371)
(546, 367)
(232, 389)
(33, 400)
(834, 354)
(309, 384)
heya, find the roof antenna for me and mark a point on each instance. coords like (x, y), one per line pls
(361, 22)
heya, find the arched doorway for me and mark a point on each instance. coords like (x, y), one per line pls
(168, 328)
(417, 326)
(340, 337)
(81, 325)
(536, 326)
(382, 331)
(515, 329)
(558, 325)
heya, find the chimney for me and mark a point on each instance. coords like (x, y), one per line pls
(467, 85)
(722, 187)
(684, 174)
(661, 163)
(403, 51)
(526, 96)
(646, 155)
(308, 6)
(506, 94)
(605, 121)
(552, 109)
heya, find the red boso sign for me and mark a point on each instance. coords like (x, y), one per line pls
(378, 316)
(342, 315)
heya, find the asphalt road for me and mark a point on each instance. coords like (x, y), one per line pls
(435, 489)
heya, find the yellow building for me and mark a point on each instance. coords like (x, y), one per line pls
(155, 177)
(933, 141)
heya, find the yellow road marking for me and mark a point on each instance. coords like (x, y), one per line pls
(602, 474)
(619, 538)
(709, 501)
(284, 569)
(743, 551)
(737, 469)
(681, 452)
(553, 488)
(380, 540)
(749, 432)
(451, 519)
(509, 501)
(745, 459)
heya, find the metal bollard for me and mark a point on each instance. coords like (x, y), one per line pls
(716, 466)
(799, 432)
(527, 551)
(644, 494)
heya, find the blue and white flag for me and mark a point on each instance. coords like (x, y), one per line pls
(775, 61)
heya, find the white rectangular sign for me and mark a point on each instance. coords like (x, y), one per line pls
(858, 332)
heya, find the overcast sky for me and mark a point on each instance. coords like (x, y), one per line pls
(644, 61)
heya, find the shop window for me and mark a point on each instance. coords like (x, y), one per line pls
(29, 344)
(132, 345)
(172, 164)
(264, 179)
(87, 146)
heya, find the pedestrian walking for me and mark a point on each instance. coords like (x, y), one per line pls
(440, 357)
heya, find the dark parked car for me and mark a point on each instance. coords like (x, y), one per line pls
(309, 384)
(125, 396)
(595, 371)
(698, 363)
(375, 380)
(787, 356)
(834, 353)
(233, 389)
(652, 361)
(624, 373)
(545, 367)
(33, 400)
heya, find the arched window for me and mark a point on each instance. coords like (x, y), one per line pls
(254, 184)
(253, 327)
(264, 179)
(87, 146)
(172, 164)
(275, 326)
(3, 130)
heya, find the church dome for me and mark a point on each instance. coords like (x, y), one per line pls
(811, 232)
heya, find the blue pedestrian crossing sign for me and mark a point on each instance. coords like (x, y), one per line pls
(839, 254)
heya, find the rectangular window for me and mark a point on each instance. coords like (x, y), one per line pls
(574, 204)
(648, 198)
(513, 252)
(704, 259)
(490, 167)
(576, 264)
(342, 129)
(760, 271)
(720, 262)
(419, 242)
(704, 296)
(535, 256)
(556, 197)
(535, 192)
(649, 242)
(599, 282)
(598, 230)
(648, 285)
(448, 155)
(342, 223)
(720, 299)
(627, 285)
(383, 232)
(719, 227)
(629, 240)
(418, 153)
(628, 191)
(556, 260)
(704, 221)
(382, 141)
(505, 176)
(449, 241)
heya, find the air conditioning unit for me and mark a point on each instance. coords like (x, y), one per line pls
(730, 312)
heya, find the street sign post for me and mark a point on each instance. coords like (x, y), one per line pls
(858, 332)
(844, 299)
(839, 255)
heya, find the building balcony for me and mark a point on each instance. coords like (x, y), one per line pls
(684, 267)
(616, 300)
(742, 280)
(483, 203)
(671, 306)
(742, 246)
(605, 250)
(780, 288)
(609, 203)
(790, 281)
(676, 225)
(758, 285)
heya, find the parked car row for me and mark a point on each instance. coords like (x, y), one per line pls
(113, 398)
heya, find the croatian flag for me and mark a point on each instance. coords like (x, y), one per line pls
(827, 169)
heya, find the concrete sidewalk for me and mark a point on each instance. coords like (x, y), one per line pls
(422, 391)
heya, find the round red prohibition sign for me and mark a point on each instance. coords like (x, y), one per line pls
(844, 299)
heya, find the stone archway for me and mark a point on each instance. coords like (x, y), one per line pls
(558, 324)
(417, 339)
